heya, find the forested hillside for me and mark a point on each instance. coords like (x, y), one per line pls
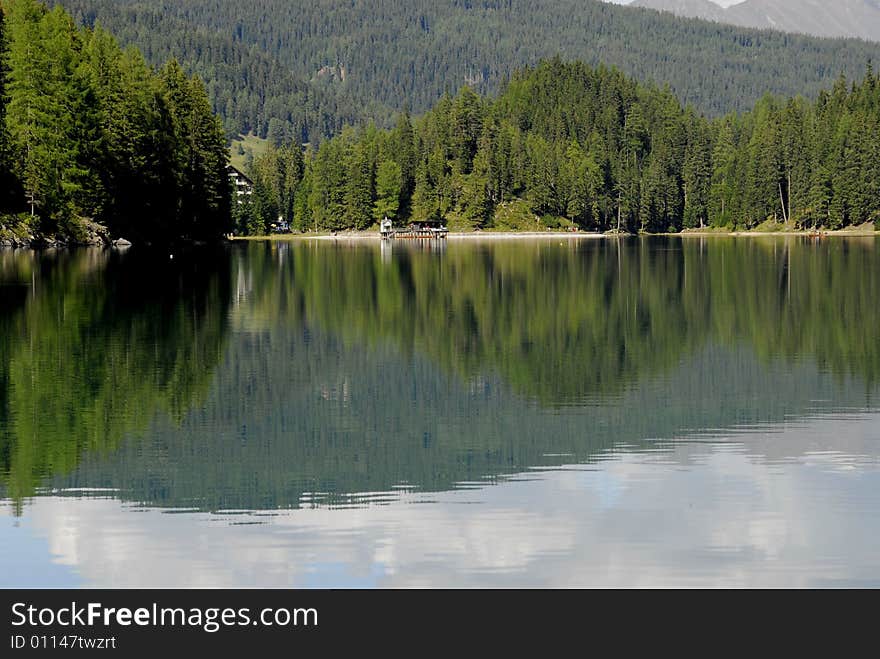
(568, 145)
(89, 131)
(312, 66)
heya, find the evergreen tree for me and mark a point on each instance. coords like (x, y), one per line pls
(201, 156)
(477, 198)
(35, 116)
(697, 174)
(723, 192)
(8, 182)
(593, 147)
(302, 215)
(584, 180)
(424, 200)
(90, 132)
(389, 187)
(466, 125)
(402, 148)
(358, 188)
(272, 64)
(327, 193)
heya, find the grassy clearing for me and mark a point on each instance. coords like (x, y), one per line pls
(238, 151)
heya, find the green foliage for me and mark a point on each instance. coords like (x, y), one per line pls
(389, 186)
(328, 175)
(276, 175)
(306, 68)
(89, 131)
(359, 192)
(8, 182)
(515, 216)
(200, 157)
(593, 149)
(48, 106)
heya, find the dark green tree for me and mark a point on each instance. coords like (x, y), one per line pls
(389, 188)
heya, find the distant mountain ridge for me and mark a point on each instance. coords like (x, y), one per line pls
(840, 18)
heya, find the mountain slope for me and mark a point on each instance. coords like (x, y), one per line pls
(704, 9)
(840, 18)
(314, 65)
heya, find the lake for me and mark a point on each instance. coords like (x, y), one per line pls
(558, 412)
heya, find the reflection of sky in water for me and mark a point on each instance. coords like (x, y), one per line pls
(29, 560)
(743, 511)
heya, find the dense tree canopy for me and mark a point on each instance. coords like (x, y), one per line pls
(567, 145)
(91, 131)
(88, 130)
(318, 64)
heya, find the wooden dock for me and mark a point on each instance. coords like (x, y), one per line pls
(424, 230)
(416, 234)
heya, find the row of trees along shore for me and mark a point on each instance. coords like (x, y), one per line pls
(568, 145)
(90, 132)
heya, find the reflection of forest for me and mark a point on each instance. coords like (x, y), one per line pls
(92, 344)
(298, 418)
(563, 324)
(352, 370)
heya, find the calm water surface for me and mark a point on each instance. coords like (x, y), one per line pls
(638, 412)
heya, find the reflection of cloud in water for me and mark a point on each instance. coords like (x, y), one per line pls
(711, 512)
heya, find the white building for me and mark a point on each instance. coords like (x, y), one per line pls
(242, 186)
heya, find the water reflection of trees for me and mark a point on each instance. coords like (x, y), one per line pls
(299, 417)
(564, 324)
(330, 384)
(92, 345)
(549, 356)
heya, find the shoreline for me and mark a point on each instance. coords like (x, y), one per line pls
(40, 243)
(560, 235)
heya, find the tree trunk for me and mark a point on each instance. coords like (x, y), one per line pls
(789, 193)
(782, 203)
(619, 206)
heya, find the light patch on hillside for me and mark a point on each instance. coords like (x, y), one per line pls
(242, 146)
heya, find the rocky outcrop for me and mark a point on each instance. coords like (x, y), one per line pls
(86, 233)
